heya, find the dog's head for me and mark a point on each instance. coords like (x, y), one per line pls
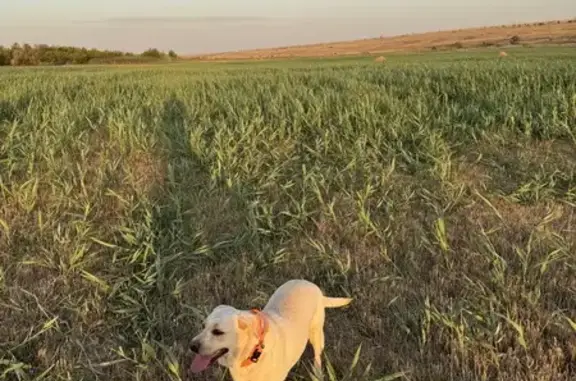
(225, 338)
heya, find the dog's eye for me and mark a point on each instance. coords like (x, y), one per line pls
(217, 332)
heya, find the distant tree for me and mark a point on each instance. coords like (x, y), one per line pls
(152, 53)
(17, 56)
(515, 40)
(80, 58)
(172, 54)
(30, 55)
(4, 56)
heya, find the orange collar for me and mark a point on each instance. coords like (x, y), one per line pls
(259, 348)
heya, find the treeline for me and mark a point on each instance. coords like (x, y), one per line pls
(35, 55)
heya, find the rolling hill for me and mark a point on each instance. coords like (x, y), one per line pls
(547, 32)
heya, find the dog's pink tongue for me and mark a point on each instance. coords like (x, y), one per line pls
(200, 363)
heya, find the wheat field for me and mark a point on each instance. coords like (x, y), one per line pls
(438, 191)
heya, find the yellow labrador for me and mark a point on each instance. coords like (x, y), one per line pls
(265, 345)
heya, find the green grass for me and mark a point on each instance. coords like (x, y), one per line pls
(439, 193)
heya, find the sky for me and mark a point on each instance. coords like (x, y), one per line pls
(191, 26)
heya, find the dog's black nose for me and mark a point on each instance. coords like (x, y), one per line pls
(195, 347)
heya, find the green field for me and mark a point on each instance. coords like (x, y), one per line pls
(438, 190)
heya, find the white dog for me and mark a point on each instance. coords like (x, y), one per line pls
(265, 345)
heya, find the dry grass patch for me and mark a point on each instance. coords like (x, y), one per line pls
(147, 173)
(518, 219)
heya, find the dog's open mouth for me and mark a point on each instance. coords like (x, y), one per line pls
(202, 362)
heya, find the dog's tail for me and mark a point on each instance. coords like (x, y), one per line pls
(336, 302)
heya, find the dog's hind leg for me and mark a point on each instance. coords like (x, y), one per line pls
(317, 339)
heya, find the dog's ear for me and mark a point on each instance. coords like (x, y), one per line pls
(243, 322)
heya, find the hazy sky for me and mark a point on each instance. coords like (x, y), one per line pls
(191, 26)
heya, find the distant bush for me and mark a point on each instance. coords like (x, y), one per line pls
(5, 56)
(153, 53)
(515, 40)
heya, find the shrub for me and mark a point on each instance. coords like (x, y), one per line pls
(152, 53)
